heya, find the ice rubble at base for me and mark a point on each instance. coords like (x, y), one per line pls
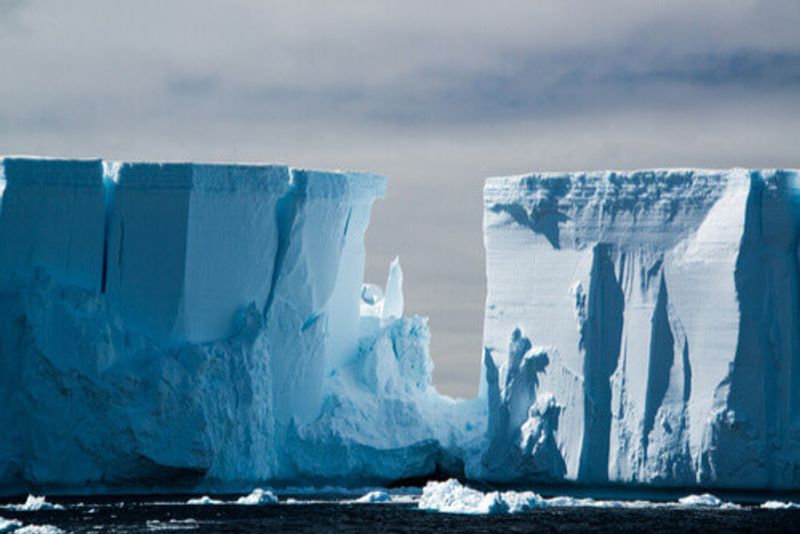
(39, 529)
(33, 503)
(779, 505)
(454, 498)
(206, 326)
(375, 496)
(256, 497)
(9, 525)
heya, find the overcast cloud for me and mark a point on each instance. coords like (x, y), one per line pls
(436, 95)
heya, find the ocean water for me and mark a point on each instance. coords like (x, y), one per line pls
(337, 513)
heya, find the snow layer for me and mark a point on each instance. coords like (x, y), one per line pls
(643, 327)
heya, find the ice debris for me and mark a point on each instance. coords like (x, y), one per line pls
(258, 496)
(33, 504)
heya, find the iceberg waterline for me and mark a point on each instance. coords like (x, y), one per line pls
(206, 326)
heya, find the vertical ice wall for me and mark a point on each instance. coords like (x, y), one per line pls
(660, 298)
(314, 308)
(192, 244)
(52, 217)
(219, 297)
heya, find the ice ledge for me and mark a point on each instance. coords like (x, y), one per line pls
(26, 170)
(205, 177)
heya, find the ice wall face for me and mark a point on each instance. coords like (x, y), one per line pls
(52, 216)
(313, 310)
(666, 303)
(189, 245)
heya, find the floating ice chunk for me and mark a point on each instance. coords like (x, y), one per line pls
(453, 498)
(258, 496)
(173, 524)
(374, 496)
(33, 504)
(39, 529)
(8, 525)
(779, 505)
(204, 500)
(706, 500)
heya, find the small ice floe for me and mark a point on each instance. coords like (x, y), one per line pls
(574, 502)
(258, 496)
(204, 500)
(39, 529)
(173, 524)
(377, 496)
(453, 498)
(8, 525)
(779, 505)
(706, 500)
(33, 504)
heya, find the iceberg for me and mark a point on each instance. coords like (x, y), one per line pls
(206, 327)
(180, 325)
(643, 327)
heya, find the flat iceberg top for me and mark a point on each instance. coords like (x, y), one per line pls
(336, 184)
(211, 177)
(204, 177)
(50, 171)
(641, 207)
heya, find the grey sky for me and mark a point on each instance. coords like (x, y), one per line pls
(436, 95)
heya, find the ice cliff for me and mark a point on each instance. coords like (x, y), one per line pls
(643, 327)
(189, 325)
(206, 326)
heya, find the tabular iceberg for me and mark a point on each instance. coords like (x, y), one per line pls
(166, 325)
(643, 327)
(206, 326)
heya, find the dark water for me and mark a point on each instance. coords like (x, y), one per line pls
(138, 515)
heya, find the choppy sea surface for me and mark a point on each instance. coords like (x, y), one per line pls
(339, 512)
